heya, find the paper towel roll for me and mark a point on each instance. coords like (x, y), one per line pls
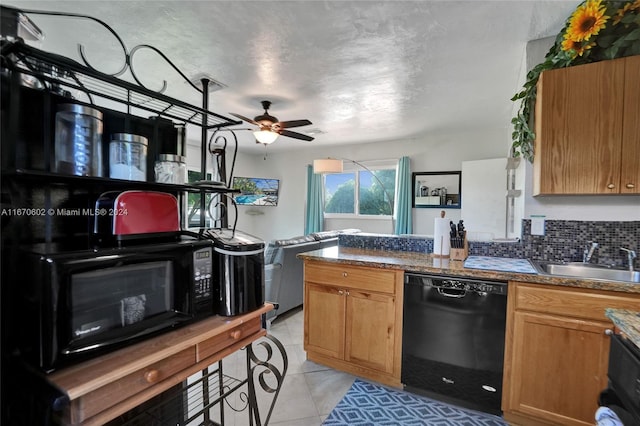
(441, 241)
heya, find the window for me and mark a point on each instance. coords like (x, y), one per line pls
(193, 202)
(375, 189)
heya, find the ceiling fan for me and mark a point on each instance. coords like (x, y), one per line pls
(270, 127)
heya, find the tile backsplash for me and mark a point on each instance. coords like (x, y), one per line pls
(564, 240)
(567, 239)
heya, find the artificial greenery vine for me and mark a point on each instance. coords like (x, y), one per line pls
(597, 30)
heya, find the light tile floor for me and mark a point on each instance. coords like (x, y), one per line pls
(309, 391)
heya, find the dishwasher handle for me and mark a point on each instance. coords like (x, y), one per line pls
(459, 294)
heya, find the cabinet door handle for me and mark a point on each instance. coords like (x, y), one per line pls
(152, 376)
(344, 274)
(630, 185)
(235, 334)
(608, 332)
(340, 292)
(611, 186)
(348, 292)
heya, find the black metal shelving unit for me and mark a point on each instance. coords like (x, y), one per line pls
(28, 180)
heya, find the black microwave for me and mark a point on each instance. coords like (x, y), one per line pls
(78, 304)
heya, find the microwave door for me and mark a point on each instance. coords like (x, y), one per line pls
(117, 302)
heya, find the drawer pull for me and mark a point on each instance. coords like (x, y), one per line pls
(340, 292)
(152, 376)
(608, 332)
(611, 186)
(235, 334)
(630, 186)
(344, 274)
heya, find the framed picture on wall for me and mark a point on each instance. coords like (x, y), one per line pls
(437, 189)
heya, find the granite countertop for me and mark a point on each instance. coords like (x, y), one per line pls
(500, 268)
(628, 322)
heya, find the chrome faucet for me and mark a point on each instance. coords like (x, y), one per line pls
(631, 254)
(588, 252)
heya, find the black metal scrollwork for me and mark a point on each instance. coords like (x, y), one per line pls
(163, 56)
(128, 54)
(244, 399)
(262, 368)
(81, 50)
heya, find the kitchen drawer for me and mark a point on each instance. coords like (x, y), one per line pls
(217, 343)
(586, 304)
(119, 390)
(357, 277)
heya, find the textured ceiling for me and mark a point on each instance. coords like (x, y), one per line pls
(361, 71)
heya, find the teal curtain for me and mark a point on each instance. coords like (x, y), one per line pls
(315, 220)
(404, 219)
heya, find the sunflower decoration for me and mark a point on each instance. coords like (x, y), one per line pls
(630, 7)
(596, 30)
(585, 23)
(576, 47)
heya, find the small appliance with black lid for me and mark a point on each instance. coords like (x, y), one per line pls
(240, 264)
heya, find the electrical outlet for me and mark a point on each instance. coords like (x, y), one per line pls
(537, 225)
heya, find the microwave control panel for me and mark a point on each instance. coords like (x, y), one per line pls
(203, 273)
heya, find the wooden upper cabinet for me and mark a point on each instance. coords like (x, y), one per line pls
(630, 170)
(588, 129)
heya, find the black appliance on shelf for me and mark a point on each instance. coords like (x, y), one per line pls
(453, 339)
(239, 260)
(75, 304)
(623, 394)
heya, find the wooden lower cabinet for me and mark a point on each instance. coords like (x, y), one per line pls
(324, 320)
(557, 353)
(353, 319)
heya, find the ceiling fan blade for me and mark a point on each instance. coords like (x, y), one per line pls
(242, 117)
(296, 135)
(293, 123)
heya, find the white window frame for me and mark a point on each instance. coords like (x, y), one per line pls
(350, 167)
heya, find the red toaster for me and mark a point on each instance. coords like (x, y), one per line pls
(132, 214)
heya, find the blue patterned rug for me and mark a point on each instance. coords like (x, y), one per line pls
(366, 404)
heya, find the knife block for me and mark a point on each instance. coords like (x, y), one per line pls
(460, 253)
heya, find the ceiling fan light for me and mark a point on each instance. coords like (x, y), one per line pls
(265, 136)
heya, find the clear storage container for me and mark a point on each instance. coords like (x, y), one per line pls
(128, 157)
(171, 168)
(78, 140)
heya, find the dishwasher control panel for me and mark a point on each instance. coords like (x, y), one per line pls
(456, 283)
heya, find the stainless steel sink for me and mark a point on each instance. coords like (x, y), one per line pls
(585, 270)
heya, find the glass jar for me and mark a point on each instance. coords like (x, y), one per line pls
(78, 140)
(128, 157)
(171, 168)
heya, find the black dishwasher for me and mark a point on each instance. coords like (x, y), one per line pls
(622, 397)
(453, 339)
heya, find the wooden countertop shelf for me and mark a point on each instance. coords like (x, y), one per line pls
(107, 386)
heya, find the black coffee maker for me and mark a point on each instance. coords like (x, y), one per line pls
(240, 267)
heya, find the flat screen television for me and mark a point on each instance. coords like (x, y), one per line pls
(256, 191)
